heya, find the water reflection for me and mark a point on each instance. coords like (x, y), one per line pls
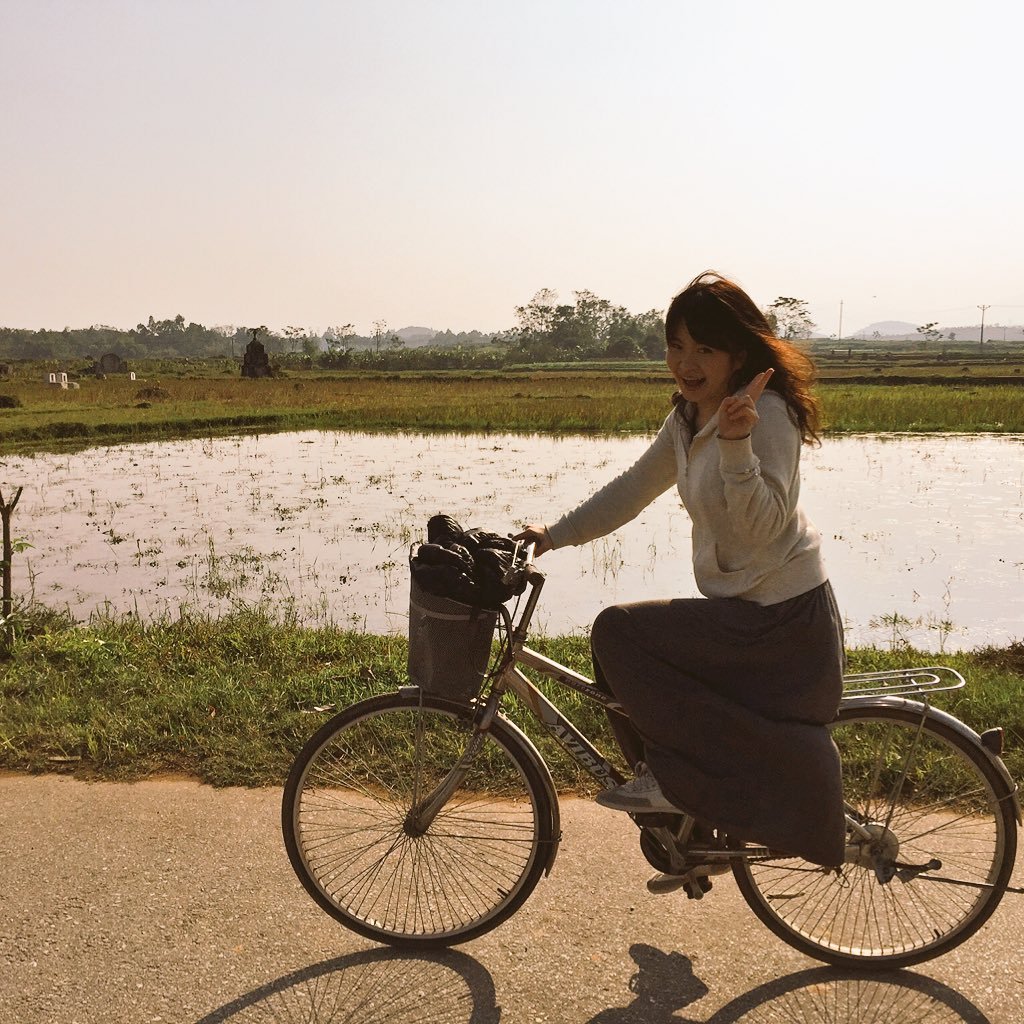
(922, 533)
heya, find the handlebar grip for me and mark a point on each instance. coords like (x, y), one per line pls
(522, 562)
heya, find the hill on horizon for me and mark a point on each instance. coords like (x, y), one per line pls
(886, 329)
(415, 336)
(902, 330)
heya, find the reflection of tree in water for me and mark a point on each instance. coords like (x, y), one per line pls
(665, 982)
(376, 987)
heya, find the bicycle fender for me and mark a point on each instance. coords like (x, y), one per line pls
(556, 821)
(951, 722)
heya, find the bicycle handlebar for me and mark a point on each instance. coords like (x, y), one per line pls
(523, 565)
(522, 562)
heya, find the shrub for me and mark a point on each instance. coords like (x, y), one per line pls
(153, 393)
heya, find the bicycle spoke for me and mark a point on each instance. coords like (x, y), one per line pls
(365, 857)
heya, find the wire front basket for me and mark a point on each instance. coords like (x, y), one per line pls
(449, 644)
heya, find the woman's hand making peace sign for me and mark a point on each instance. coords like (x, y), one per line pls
(738, 413)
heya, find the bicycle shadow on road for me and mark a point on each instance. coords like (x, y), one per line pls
(665, 983)
(376, 986)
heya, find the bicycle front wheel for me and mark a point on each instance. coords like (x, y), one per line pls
(930, 863)
(349, 828)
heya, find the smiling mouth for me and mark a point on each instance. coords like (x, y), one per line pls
(692, 382)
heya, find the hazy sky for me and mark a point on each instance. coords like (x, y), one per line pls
(437, 162)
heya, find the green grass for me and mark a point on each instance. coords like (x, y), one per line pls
(231, 701)
(580, 400)
(871, 408)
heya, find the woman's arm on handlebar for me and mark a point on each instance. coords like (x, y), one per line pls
(536, 534)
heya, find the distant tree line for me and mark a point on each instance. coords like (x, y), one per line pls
(546, 330)
(176, 339)
(156, 339)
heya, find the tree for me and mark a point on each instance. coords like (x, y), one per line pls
(535, 317)
(380, 330)
(590, 328)
(294, 336)
(596, 317)
(623, 348)
(652, 333)
(929, 332)
(337, 340)
(653, 346)
(789, 317)
(338, 336)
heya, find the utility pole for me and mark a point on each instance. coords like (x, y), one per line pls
(981, 339)
(840, 338)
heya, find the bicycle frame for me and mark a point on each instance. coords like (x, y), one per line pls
(672, 839)
(864, 689)
(859, 689)
(509, 677)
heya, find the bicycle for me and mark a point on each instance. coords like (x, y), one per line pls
(417, 820)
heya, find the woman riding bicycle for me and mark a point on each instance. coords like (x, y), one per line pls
(728, 695)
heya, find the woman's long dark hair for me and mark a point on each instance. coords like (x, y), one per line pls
(718, 313)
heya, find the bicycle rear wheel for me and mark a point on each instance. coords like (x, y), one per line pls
(349, 833)
(942, 844)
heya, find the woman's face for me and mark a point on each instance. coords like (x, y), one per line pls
(703, 374)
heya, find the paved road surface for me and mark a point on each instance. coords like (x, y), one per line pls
(173, 902)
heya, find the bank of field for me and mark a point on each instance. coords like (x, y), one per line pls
(230, 701)
(116, 409)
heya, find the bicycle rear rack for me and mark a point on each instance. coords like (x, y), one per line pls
(902, 682)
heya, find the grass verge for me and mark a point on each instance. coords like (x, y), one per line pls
(230, 701)
(111, 412)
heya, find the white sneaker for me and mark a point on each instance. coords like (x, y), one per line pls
(639, 794)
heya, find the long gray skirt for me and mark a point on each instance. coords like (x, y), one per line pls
(728, 704)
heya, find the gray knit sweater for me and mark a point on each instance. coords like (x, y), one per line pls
(751, 539)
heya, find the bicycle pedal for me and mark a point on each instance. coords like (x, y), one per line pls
(696, 887)
(693, 883)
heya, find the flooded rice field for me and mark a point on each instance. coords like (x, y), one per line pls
(922, 534)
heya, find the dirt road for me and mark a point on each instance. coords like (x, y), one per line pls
(174, 902)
